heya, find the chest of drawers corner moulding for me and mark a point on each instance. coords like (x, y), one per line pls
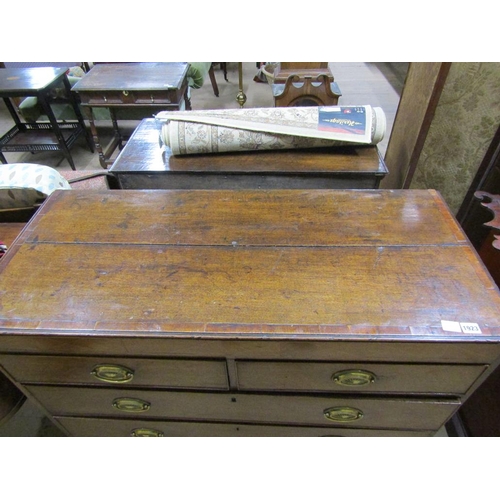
(219, 312)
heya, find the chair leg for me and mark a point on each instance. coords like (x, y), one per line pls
(223, 67)
(211, 74)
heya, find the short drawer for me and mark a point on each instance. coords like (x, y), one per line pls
(391, 413)
(131, 97)
(105, 98)
(147, 372)
(99, 427)
(357, 377)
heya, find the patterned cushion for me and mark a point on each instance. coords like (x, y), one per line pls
(28, 184)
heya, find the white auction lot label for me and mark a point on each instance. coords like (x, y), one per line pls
(456, 326)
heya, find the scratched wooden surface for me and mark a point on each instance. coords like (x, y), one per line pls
(384, 262)
(142, 154)
(9, 231)
(132, 76)
(250, 300)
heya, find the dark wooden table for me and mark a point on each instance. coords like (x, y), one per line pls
(143, 164)
(40, 136)
(131, 91)
(247, 313)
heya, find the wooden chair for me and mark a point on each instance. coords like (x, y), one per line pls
(306, 90)
(283, 70)
(223, 67)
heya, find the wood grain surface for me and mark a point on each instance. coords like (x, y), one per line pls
(379, 262)
(142, 154)
(234, 311)
(133, 76)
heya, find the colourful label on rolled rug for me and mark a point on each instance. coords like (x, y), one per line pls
(346, 120)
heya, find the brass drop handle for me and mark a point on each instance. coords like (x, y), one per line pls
(131, 405)
(144, 432)
(354, 378)
(114, 374)
(125, 93)
(343, 414)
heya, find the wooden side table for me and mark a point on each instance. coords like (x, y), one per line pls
(39, 136)
(247, 313)
(143, 164)
(138, 89)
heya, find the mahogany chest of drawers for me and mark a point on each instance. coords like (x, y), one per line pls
(247, 313)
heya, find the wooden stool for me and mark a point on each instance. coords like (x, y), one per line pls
(306, 90)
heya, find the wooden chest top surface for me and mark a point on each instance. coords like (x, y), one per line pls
(257, 264)
(142, 154)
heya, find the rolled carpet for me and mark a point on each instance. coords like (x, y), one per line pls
(217, 131)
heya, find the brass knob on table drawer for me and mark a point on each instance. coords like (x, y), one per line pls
(131, 405)
(353, 378)
(343, 414)
(146, 433)
(114, 374)
(125, 93)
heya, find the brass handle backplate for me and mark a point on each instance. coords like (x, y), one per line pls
(131, 405)
(114, 374)
(354, 378)
(144, 432)
(343, 414)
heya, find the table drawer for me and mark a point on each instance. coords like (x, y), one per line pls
(97, 427)
(139, 372)
(357, 377)
(392, 413)
(131, 97)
